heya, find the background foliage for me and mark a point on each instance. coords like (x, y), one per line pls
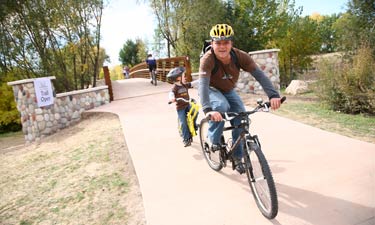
(62, 38)
(48, 38)
(52, 38)
(352, 88)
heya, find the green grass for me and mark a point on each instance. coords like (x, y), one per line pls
(11, 134)
(361, 127)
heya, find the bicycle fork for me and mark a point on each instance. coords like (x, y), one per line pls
(250, 139)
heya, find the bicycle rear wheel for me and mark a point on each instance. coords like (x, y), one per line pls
(260, 180)
(154, 77)
(212, 157)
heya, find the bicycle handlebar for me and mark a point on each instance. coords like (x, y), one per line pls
(231, 115)
(179, 99)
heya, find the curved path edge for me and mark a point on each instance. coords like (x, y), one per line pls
(322, 178)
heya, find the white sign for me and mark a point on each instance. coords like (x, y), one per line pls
(43, 91)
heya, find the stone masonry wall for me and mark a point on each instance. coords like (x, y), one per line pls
(38, 122)
(267, 60)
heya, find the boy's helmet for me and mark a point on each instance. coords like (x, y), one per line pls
(176, 72)
(221, 32)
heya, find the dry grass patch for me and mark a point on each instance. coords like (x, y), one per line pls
(80, 175)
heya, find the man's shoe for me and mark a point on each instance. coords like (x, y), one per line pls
(215, 147)
(151, 82)
(238, 165)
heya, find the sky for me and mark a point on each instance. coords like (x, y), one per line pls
(323, 7)
(126, 19)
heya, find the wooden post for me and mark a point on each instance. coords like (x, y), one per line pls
(188, 69)
(107, 79)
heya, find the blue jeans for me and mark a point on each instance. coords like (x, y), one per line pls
(225, 102)
(182, 118)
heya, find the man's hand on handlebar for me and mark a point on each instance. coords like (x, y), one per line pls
(275, 103)
(214, 116)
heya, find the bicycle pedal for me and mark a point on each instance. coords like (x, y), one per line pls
(206, 148)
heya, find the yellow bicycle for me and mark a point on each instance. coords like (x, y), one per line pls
(191, 117)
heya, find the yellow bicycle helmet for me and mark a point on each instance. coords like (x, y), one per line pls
(221, 32)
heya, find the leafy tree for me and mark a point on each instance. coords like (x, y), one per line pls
(356, 26)
(9, 115)
(326, 31)
(36, 34)
(194, 27)
(132, 52)
(347, 32)
(184, 24)
(165, 12)
(49, 38)
(255, 22)
(297, 44)
(141, 50)
(363, 12)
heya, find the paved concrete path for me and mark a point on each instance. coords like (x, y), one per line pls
(322, 178)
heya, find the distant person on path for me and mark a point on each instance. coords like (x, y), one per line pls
(219, 72)
(180, 90)
(151, 63)
(125, 72)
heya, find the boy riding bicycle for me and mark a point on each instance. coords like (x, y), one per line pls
(180, 91)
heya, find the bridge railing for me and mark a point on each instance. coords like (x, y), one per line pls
(164, 65)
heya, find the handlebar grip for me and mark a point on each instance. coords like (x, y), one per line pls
(283, 99)
(208, 117)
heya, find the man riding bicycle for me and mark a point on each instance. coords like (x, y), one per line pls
(216, 85)
(151, 63)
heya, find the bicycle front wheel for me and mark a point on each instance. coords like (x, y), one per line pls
(212, 157)
(260, 180)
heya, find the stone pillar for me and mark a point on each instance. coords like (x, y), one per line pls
(35, 121)
(267, 61)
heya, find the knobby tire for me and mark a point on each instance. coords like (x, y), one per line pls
(154, 77)
(264, 190)
(215, 164)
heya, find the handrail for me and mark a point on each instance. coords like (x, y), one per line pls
(164, 65)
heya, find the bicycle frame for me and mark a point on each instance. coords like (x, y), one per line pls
(190, 117)
(244, 135)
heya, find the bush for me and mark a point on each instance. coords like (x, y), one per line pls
(9, 115)
(349, 86)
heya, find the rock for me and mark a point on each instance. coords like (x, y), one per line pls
(297, 87)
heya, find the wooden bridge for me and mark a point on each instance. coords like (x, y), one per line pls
(163, 67)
